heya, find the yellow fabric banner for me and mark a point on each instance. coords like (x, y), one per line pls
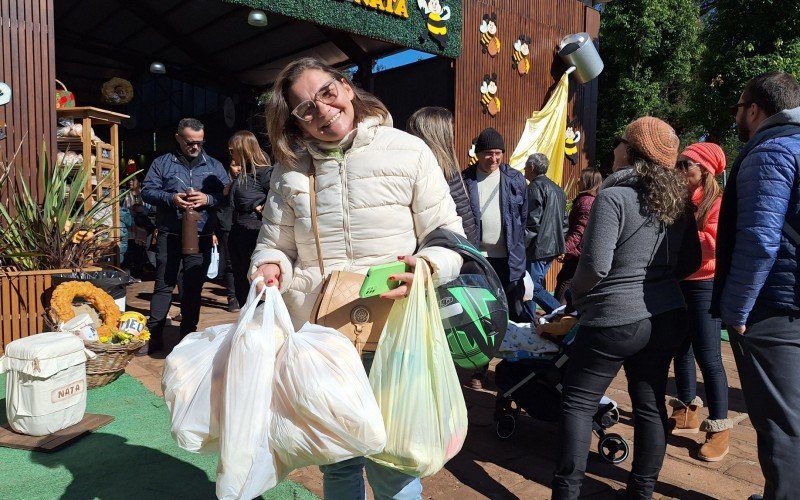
(545, 132)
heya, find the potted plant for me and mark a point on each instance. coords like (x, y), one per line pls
(57, 231)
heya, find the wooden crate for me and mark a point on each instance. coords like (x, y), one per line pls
(22, 307)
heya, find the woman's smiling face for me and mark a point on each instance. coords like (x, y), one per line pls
(330, 122)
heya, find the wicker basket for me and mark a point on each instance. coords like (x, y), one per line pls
(110, 362)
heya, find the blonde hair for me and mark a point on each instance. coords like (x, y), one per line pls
(434, 125)
(247, 153)
(711, 191)
(282, 128)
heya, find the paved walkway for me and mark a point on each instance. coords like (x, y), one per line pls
(521, 467)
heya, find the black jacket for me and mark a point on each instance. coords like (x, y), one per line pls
(247, 193)
(547, 224)
(458, 191)
(513, 210)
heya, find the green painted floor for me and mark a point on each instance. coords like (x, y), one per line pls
(134, 457)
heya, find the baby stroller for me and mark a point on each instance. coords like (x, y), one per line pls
(532, 382)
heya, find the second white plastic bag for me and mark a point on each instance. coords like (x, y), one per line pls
(416, 385)
(193, 379)
(324, 409)
(247, 467)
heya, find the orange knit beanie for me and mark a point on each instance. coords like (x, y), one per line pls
(654, 139)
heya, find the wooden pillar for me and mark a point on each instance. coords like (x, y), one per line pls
(27, 65)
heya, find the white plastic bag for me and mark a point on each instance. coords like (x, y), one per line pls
(192, 382)
(247, 467)
(213, 267)
(325, 411)
(528, 282)
(416, 385)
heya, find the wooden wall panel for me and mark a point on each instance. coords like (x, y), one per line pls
(546, 22)
(27, 64)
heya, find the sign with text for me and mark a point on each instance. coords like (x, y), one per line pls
(432, 26)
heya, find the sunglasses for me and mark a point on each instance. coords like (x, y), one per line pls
(191, 144)
(735, 107)
(618, 141)
(685, 164)
(307, 110)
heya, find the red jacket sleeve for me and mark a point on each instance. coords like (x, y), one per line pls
(578, 219)
(708, 234)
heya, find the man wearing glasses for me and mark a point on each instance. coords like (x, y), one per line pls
(176, 181)
(757, 281)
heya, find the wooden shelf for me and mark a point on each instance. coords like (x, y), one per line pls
(105, 170)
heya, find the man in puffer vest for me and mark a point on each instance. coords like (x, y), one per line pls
(757, 278)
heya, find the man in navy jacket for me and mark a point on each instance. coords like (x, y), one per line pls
(499, 201)
(756, 286)
(167, 187)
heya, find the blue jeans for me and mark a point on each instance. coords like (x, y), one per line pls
(345, 480)
(704, 343)
(545, 300)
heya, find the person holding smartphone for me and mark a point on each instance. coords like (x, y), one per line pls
(378, 193)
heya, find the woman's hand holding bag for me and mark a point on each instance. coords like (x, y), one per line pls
(416, 385)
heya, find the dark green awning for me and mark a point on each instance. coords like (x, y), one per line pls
(432, 26)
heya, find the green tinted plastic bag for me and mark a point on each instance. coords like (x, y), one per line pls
(416, 385)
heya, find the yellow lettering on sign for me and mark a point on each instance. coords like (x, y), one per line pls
(396, 7)
(400, 9)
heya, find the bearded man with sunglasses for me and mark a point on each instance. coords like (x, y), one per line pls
(185, 178)
(758, 274)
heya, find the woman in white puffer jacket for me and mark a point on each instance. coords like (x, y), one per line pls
(379, 193)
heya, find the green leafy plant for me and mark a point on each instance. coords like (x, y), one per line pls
(59, 229)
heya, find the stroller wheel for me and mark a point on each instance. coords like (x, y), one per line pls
(609, 418)
(506, 425)
(613, 448)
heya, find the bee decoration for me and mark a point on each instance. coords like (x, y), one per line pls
(489, 42)
(571, 140)
(437, 17)
(519, 59)
(489, 100)
(473, 155)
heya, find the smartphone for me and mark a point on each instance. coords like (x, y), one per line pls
(377, 280)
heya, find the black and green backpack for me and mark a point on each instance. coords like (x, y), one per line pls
(473, 306)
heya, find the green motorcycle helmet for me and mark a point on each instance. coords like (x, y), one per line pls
(473, 306)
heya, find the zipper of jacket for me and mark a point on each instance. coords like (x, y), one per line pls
(345, 211)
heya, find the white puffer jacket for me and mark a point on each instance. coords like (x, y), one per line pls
(378, 200)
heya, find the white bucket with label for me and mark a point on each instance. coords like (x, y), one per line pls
(45, 382)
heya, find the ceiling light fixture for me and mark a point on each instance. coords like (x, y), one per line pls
(258, 18)
(158, 68)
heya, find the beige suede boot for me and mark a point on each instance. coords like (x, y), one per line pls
(684, 418)
(718, 436)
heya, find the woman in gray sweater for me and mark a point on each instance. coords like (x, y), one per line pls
(641, 240)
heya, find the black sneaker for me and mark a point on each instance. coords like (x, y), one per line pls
(233, 305)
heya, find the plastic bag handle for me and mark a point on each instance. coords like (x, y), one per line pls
(273, 303)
